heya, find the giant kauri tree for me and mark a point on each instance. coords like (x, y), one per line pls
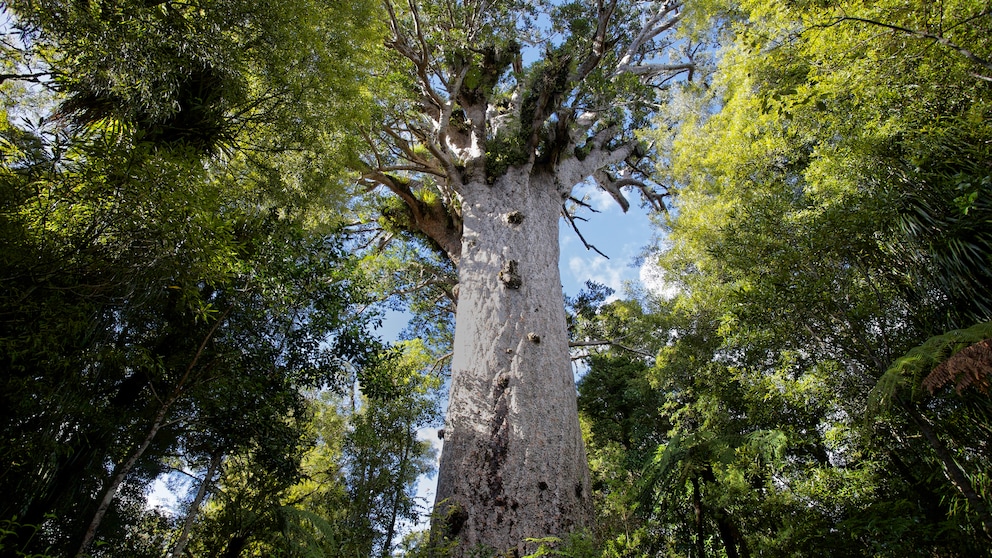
(504, 108)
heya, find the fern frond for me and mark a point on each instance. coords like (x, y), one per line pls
(310, 529)
(969, 367)
(909, 369)
(661, 467)
(769, 445)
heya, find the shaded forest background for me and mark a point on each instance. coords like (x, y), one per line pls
(192, 283)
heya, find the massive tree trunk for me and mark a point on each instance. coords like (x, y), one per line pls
(513, 464)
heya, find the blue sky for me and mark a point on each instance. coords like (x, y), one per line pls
(621, 236)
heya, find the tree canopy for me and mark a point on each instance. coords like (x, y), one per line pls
(174, 284)
(205, 207)
(828, 244)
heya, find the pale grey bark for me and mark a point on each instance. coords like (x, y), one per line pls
(513, 465)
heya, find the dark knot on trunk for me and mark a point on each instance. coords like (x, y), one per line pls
(510, 276)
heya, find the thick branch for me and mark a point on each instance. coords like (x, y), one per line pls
(435, 104)
(434, 220)
(608, 343)
(607, 183)
(599, 40)
(599, 158)
(663, 20)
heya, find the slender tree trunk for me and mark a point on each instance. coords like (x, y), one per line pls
(120, 473)
(697, 506)
(513, 464)
(951, 469)
(194, 507)
(398, 489)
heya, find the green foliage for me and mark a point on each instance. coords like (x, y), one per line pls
(383, 457)
(826, 224)
(410, 276)
(617, 399)
(504, 150)
(10, 529)
(907, 372)
(356, 481)
(199, 75)
(171, 178)
(578, 545)
(173, 277)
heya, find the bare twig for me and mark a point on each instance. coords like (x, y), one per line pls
(571, 221)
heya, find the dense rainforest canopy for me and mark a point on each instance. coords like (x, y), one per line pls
(206, 207)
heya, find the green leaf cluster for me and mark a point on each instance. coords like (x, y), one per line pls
(174, 278)
(828, 245)
(357, 480)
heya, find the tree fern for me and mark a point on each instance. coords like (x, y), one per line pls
(934, 364)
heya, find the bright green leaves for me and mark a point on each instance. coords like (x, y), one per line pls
(813, 113)
(828, 221)
(173, 277)
(357, 474)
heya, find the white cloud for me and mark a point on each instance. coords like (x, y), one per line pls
(601, 200)
(653, 279)
(598, 269)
